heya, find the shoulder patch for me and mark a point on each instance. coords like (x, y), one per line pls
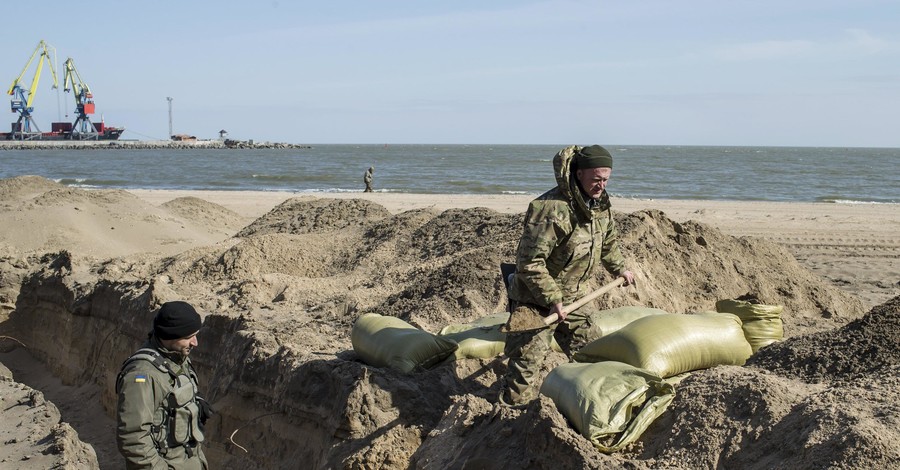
(140, 378)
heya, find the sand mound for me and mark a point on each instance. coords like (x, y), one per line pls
(103, 223)
(204, 213)
(25, 187)
(275, 356)
(34, 437)
(67, 196)
(310, 215)
(865, 346)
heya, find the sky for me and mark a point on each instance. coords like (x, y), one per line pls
(660, 72)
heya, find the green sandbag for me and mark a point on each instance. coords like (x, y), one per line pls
(604, 322)
(668, 345)
(389, 341)
(606, 399)
(482, 338)
(761, 323)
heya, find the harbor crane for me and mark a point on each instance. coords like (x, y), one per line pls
(25, 128)
(83, 128)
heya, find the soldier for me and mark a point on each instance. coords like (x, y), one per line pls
(367, 178)
(569, 231)
(160, 415)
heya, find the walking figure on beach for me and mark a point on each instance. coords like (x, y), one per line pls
(569, 232)
(367, 178)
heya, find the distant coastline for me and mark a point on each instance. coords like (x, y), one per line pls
(142, 144)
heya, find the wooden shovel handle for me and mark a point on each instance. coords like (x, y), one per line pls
(550, 319)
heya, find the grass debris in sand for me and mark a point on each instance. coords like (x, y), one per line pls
(281, 296)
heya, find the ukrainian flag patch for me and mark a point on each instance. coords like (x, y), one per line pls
(140, 378)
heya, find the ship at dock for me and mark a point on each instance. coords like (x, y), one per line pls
(83, 128)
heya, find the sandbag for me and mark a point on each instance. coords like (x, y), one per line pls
(604, 322)
(762, 324)
(668, 345)
(610, 403)
(482, 338)
(384, 341)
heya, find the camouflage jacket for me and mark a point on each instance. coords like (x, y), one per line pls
(157, 412)
(564, 241)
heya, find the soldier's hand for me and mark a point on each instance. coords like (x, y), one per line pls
(628, 276)
(558, 309)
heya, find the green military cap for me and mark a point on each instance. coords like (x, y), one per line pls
(593, 156)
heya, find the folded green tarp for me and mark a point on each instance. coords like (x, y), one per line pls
(610, 403)
(385, 341)
(762, 324)
(668, 345)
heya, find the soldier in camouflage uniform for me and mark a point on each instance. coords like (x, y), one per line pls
(160, 415)
(569, 233)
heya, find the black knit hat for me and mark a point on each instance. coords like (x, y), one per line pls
(594, 156)
(176, 320)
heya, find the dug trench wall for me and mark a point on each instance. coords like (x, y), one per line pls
(280, 298)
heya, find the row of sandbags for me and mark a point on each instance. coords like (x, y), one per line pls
(385, 341)
(622, 380)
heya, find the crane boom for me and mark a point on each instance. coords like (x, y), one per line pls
(72, 81)
(83, 128)
(23, 104)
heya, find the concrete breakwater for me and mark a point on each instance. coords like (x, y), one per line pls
(141, 144)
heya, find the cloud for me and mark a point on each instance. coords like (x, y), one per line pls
(853, 42)
(860, 40)
(763, 50)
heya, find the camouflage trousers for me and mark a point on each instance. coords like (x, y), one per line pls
(527, 350)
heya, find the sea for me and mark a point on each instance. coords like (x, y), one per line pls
(789, 174)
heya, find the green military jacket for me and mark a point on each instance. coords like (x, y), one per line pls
(157, 412)
(564, 241)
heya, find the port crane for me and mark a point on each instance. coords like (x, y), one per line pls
(83, 128)
(25, 128)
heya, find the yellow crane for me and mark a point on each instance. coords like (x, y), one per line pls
(84, 102)
(24, 127)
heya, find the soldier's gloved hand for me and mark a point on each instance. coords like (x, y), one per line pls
(206, 410)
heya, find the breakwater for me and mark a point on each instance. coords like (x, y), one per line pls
(141, 144)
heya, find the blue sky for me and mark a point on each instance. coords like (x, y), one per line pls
(793, 73)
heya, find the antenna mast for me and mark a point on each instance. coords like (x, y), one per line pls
(170, 117)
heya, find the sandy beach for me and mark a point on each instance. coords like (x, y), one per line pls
(281, 278)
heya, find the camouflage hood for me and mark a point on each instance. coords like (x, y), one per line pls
(564, 169)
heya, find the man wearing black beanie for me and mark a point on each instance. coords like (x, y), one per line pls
(160, 415)
(569, 234)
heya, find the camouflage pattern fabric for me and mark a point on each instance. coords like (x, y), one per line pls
(527, 351)
(565, 240)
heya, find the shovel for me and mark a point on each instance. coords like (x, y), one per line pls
(534, 322)
(549, 319)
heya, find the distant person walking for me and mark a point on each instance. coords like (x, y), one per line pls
(367, 178)
(159, 414)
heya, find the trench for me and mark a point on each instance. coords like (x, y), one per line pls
(286, 405)
(79, 405)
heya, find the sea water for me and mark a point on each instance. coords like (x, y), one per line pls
(796, 174)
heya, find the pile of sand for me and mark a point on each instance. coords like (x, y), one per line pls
(281, 296)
